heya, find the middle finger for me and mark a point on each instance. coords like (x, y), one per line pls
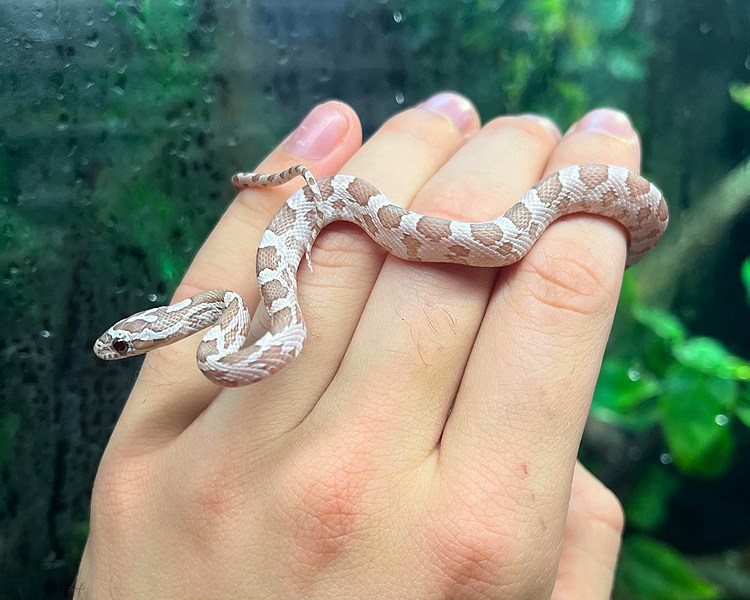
(421, 317)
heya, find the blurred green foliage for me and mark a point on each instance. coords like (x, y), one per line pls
(650, 569)
(557, 57)
(156, 106)
(695, 393)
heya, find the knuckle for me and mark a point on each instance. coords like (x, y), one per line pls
(118, 497)
(597, 504)
(564, 275)
(467, 197)
(472, 556)
(252, 209)
(430, 130)
(339, 246)
(215, 494)
(531, 129)
(323, 511)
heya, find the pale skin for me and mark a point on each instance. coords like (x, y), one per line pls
(423, 446)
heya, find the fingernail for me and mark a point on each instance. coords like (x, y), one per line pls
(544, 122)
(606, 120)
(457, 108)
(319, 133)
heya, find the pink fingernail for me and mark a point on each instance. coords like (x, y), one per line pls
(457, 108)
(319, 133)
(607, 120)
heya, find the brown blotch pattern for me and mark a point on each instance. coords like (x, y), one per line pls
(282, 318)
(662, 211)
(549, 188)
(390, 215)
(269, 257)
(593, 175)
(488, 234)
(610, 198)
(637, 186)
(289, 280)
(284, 220)
(370, 224)
(643, 214)
(519, 215)
(273, 290)
(434, 229)
(412, 246)
(361, 191)
(207, 348)
(458, 251)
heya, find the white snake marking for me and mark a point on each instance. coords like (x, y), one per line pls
(223, 355)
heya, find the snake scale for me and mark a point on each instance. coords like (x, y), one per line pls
(224, 354)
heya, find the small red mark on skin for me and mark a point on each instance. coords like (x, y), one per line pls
(523, 471)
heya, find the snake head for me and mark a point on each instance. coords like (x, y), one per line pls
(132, 336)
(115, 344)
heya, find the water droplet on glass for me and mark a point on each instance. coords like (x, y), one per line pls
(397, 16)
(634, 453)
(152, 297)
(721, 420)
(399, 98)
(665, 458)
(92, 41)
(634, 374)
(45, 333)
(704, 27)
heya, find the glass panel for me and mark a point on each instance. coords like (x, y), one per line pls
(122, 121)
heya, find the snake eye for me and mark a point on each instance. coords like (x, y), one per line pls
(120, 346)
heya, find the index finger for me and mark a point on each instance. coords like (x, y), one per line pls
(324, 141)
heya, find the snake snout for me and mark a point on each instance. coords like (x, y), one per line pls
(101, 350)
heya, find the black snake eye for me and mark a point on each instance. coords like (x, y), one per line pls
(120, 346)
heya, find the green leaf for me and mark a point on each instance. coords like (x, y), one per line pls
(646, 506)
(610, 16)
(743, 414)
(745, 275)
(630, 291)
(694, 408)
(626, 66)
(620, 393)
(78, 535)
(710, 356)
(665, 326)
(652, 570)
(740, 93)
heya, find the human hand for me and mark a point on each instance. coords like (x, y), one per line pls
(423, 445)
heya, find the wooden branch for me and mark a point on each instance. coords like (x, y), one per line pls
(690, 241)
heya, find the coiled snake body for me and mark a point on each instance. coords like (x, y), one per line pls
(223, 355)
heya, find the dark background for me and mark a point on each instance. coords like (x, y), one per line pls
(121, 121)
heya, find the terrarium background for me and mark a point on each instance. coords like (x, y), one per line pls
(120, 122)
